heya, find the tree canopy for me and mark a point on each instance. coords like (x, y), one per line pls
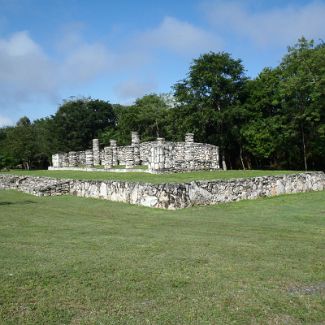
(276, 120)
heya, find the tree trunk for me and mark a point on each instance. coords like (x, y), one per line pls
(157, 129)
(224, 165)
(249, 163)
(26, 165)
(304, 147)
(241, 157)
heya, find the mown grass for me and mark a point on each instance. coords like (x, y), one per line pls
(69, 260)
(152, 178)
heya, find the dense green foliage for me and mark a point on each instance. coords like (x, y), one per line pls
(276, 120)
(70, 260)
(149, 116)
(78, 121)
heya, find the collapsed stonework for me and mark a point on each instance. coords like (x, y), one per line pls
(169, 196)
(159, 155)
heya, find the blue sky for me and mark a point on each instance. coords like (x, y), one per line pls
(121, 50)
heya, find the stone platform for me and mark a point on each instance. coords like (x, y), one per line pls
(94, 169)
(169, 196)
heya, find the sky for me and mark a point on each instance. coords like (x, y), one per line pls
(51, 50)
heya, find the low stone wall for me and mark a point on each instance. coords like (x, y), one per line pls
(169, 196)
(39, 186)
(110, 170)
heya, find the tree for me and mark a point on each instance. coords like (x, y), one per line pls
(148, 116)
(78, 121)
(21, 142)
(213, 87)
(303, 93)
(7, 159)
(263, 125)
(286, 110)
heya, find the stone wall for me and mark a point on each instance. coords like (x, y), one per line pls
(182, 156)
(169, 196)
(39, 186)
(159, 155)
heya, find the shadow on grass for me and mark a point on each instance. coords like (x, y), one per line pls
(17, 203)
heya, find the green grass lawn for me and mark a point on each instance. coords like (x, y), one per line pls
(70, 260)
(151, 178)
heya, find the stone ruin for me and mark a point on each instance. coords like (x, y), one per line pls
(159, 156)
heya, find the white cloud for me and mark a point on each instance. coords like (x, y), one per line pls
(30, 74)
(5, 121)
(278, 26)
(132, 89)
(86, 62)
(27, 73)
(24, 68)
(180, 37)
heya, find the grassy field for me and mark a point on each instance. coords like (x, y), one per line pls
(69, 260)
(152, 178)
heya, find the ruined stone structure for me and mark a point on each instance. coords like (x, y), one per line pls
(169, 196)
(159, 156)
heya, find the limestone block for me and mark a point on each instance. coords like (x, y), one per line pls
(96, 156)
(89, 158)
(72, 159)
(108, 157)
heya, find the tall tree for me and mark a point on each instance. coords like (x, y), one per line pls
(148, 116)
(78, 121)
(21, 142)
(303, 92)
(262, 129)
(213, 87)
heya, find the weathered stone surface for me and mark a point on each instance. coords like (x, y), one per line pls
(89, 158)
(73, 162)
(169, 196)
(96, 152)
(39, 186)
(160, 156)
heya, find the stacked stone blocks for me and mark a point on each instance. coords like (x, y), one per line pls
(169, 196)
(159, 155)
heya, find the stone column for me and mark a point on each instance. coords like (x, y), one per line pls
(89, 158)
(108, 158)
(135, 143)
(157, 161)
(64, 159)
(189, 150)
(129, 157)
(189, 137)
(96, 156)
(56, 160)
(113, 145)
(82, 158)
(101, 156)
(215, 158)
(72, 159)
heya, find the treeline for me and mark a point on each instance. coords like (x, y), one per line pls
(276, 120)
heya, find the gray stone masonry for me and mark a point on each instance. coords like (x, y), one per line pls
(113, 145)
(129, 157)
(160, 156)
(189, 151)
(96, 154)
(157, 161)
(73, 162)
(108, 157)
(56, 160)
(135, 143)
(169, 196)
(189, 137)
(89, 158)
